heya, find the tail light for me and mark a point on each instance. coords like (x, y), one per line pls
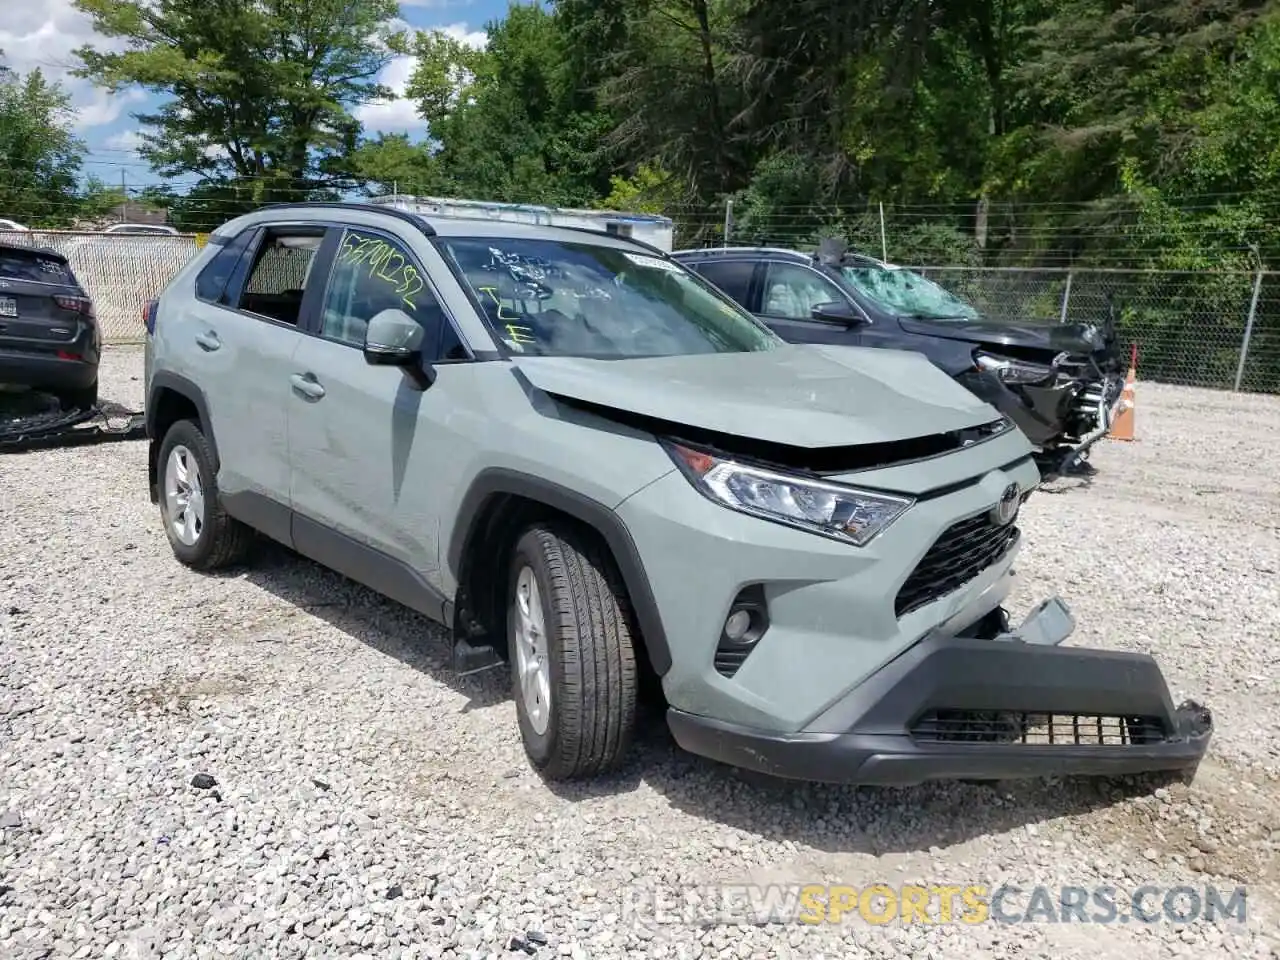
(149, 316)
(81, 305)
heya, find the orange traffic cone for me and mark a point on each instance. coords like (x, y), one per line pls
(1123, 427)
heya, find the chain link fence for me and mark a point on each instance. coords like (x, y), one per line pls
(1205, 329)
(121, 272)
(1202, 329)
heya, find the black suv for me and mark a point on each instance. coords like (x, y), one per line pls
(49, 336)
(1061, 383)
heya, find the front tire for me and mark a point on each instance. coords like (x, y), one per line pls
(572, 655)
(200, 532)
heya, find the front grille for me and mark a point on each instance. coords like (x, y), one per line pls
(963, 551)
(1036, 729)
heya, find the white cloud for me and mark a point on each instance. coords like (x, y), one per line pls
(399, 115)
(126, 140)
(476, 39)
(434, 4)
(43, 34)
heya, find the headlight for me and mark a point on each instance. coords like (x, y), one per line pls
(841, 513)
(1012, 371)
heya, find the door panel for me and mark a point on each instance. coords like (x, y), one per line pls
(359, 435)
(351, 448)
(246, 345)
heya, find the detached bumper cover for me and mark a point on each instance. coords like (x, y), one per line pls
(965, 708)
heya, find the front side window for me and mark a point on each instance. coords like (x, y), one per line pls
(908, 294)
(791, 291)
(584, 299)
(372, 273)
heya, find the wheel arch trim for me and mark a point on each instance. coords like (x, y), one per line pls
(163, 382)
(497, 481)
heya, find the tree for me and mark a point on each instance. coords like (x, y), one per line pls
(259, 93)
(511, 122)
(40, 158)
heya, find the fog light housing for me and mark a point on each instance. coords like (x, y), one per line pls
(736, 627)
(746, 623)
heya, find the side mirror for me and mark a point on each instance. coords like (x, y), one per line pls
(394, 339)
(837, 311)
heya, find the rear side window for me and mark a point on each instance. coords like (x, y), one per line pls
(279, 275)
(34, 266)
(731, 276)
(212, 280)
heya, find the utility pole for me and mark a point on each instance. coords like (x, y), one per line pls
(124, 202)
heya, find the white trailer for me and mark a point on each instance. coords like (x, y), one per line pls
(649, 228)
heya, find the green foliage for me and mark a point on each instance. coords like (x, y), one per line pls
(1141, 133)
(649, 190)
(507, 123)
(40, 157)
(254, 89)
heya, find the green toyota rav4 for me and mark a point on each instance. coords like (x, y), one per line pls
(592, 465)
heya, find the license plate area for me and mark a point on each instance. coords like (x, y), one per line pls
(8, 307)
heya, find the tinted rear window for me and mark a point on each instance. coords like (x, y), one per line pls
(21, 265)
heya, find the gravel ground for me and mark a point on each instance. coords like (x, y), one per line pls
(277, 763)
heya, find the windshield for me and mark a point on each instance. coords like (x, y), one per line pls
(563, 299)
(908, 294)
(24, 265)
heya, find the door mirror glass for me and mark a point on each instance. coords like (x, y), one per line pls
(393, 338)
(836, 311)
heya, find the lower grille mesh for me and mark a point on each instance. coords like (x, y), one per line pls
(1036, 729)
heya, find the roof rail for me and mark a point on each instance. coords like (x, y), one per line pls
(416, 219)
(420, 220)
(731, 250)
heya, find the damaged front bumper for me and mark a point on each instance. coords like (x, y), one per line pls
(1063, 419)
(953, 707)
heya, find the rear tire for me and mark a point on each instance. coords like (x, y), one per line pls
(86, 398)
(200, 532)
(577, 648)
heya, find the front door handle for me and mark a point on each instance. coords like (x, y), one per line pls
(208, 341)
(307, 385)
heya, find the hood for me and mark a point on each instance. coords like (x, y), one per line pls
(1050, 337)
(798, 395)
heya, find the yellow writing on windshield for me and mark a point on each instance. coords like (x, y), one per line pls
(493, 295)
(385, 263)
(520, 334)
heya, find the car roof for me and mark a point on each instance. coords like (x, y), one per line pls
(442, 226)
(47, 252)
(747, 253)
(740, 253)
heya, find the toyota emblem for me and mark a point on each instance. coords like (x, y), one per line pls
(1004, 512)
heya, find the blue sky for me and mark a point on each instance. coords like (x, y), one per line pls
(42, 33)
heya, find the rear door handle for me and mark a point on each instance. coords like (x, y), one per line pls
(208, 341)
(307, 385)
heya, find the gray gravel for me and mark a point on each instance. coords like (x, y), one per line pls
(277, 763)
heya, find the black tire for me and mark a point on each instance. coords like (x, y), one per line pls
(85, 398)
(591, 654)
(222, 541)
